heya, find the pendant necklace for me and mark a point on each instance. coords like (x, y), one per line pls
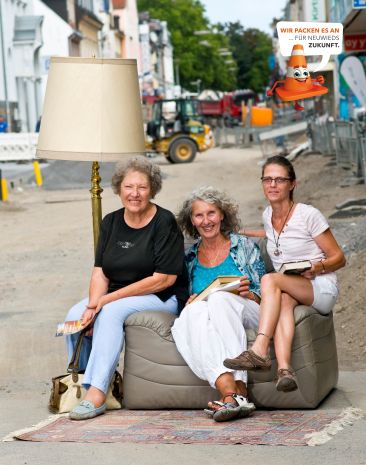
(277, 251)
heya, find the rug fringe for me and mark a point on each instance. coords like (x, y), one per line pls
(12, 436)
(347, 418)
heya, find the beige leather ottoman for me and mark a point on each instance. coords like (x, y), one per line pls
(157, 377)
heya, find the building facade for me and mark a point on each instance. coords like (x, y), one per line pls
(20, 40)
(351, 65)
(156, 58)
(31, 31)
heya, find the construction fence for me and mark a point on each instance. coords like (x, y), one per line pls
(278, 139)
(344, 139)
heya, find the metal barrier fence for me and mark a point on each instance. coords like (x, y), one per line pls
(272, 140)
(348, 147)
(344, 132)
(322, 136)
(344, 139)
(282, 140)
(363, 157)
(236, 136)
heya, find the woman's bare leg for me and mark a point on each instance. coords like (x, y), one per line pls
(285, 330)
(272, 287)
(225, 384)
(241, 388)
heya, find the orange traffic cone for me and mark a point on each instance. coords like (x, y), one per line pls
(298, 84)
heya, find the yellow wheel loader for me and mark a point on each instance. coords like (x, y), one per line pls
(177, 131)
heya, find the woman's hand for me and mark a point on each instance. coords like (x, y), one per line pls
(243, 289)
(313, 272)
(87, 317)
(192, 297)
(101, 302)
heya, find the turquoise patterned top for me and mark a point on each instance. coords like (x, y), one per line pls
(202, 276)
(245, 255)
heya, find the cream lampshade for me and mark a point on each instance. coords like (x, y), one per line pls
(92, 112)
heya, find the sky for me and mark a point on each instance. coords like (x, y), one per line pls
(251, 13)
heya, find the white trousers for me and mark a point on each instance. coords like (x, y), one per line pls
(208, 332)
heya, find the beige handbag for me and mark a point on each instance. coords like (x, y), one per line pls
(67, 390)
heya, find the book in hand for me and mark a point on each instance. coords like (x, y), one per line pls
(69, 327)
(221, 283)
(295, 267)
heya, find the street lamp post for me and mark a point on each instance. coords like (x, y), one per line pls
(177, 76)
(3, 56)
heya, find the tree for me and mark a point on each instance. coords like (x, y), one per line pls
(251, 50)
(198, 56)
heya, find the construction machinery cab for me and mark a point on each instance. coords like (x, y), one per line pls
(176, 129)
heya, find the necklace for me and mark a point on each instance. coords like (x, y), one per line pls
(277, 251)
(211, 261)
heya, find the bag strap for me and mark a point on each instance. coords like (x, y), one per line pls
(74, 362)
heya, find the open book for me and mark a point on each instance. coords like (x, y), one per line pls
(295, 267)
(221, 283)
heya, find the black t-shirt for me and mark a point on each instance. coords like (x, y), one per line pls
(127, 254)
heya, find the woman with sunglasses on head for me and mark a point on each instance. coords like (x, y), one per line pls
(295, 232)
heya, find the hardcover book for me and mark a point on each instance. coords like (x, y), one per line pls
(295, 267)
(221, 283)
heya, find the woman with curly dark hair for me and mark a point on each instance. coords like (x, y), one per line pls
(207, 331)
(139, 265)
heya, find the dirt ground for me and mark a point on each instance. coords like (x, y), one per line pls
(47, 253)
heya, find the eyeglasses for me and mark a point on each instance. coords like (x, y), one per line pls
(279, 180)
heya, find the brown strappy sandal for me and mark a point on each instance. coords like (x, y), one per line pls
(286, 380)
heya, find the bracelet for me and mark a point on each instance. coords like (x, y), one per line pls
(91, 308)
(323, 270)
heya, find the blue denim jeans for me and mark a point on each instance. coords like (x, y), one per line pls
(100, 353)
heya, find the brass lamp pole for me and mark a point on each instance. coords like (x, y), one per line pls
(92, 112)
(96, 201)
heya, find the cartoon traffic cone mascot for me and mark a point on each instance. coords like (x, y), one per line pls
(298, 84)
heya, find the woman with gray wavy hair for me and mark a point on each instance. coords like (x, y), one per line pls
(207, 330)
(139, 265)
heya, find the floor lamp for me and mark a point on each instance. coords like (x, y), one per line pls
(92, 112)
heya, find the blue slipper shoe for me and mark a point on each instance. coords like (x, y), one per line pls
(86, 410)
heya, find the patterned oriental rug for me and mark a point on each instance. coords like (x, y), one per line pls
(286, 428)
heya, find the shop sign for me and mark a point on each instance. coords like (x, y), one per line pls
(359, 4)
(355, 42)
